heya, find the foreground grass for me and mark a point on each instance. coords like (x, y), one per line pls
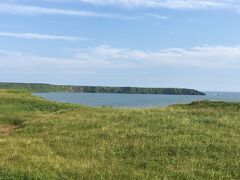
(44, 140)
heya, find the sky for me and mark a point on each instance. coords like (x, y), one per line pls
(142, 43)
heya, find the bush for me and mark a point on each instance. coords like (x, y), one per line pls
(16, 121)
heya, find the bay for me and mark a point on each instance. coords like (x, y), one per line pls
(136, 100)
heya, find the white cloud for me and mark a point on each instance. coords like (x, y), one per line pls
(109, 58)
(24, 62)
(35, 36)
(170, 4)
(18, 9)
(15, 7)
(199, 57)
(157, 16)
(31, 10)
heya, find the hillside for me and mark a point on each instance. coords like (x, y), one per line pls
(46, 140)
(97, 89)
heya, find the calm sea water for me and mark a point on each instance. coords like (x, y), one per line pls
(135, 100)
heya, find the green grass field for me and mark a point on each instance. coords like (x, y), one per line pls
(45, 140)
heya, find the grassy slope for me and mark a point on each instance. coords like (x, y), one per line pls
(61, 141)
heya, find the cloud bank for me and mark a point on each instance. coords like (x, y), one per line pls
(105, 57)
(199, 57)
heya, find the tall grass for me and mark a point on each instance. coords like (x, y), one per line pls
(63, 141)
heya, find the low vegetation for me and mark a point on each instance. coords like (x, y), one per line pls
(43, 88)
(46, 140)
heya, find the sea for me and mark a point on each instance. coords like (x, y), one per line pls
(136, 100)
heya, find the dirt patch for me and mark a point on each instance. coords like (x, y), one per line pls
(6, 130)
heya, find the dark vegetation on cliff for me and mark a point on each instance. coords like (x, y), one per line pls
(97, 89)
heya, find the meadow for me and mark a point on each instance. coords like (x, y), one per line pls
(40, 139)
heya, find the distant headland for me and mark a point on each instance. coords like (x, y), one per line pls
(45, 88)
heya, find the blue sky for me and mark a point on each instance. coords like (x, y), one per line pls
(145, 43)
